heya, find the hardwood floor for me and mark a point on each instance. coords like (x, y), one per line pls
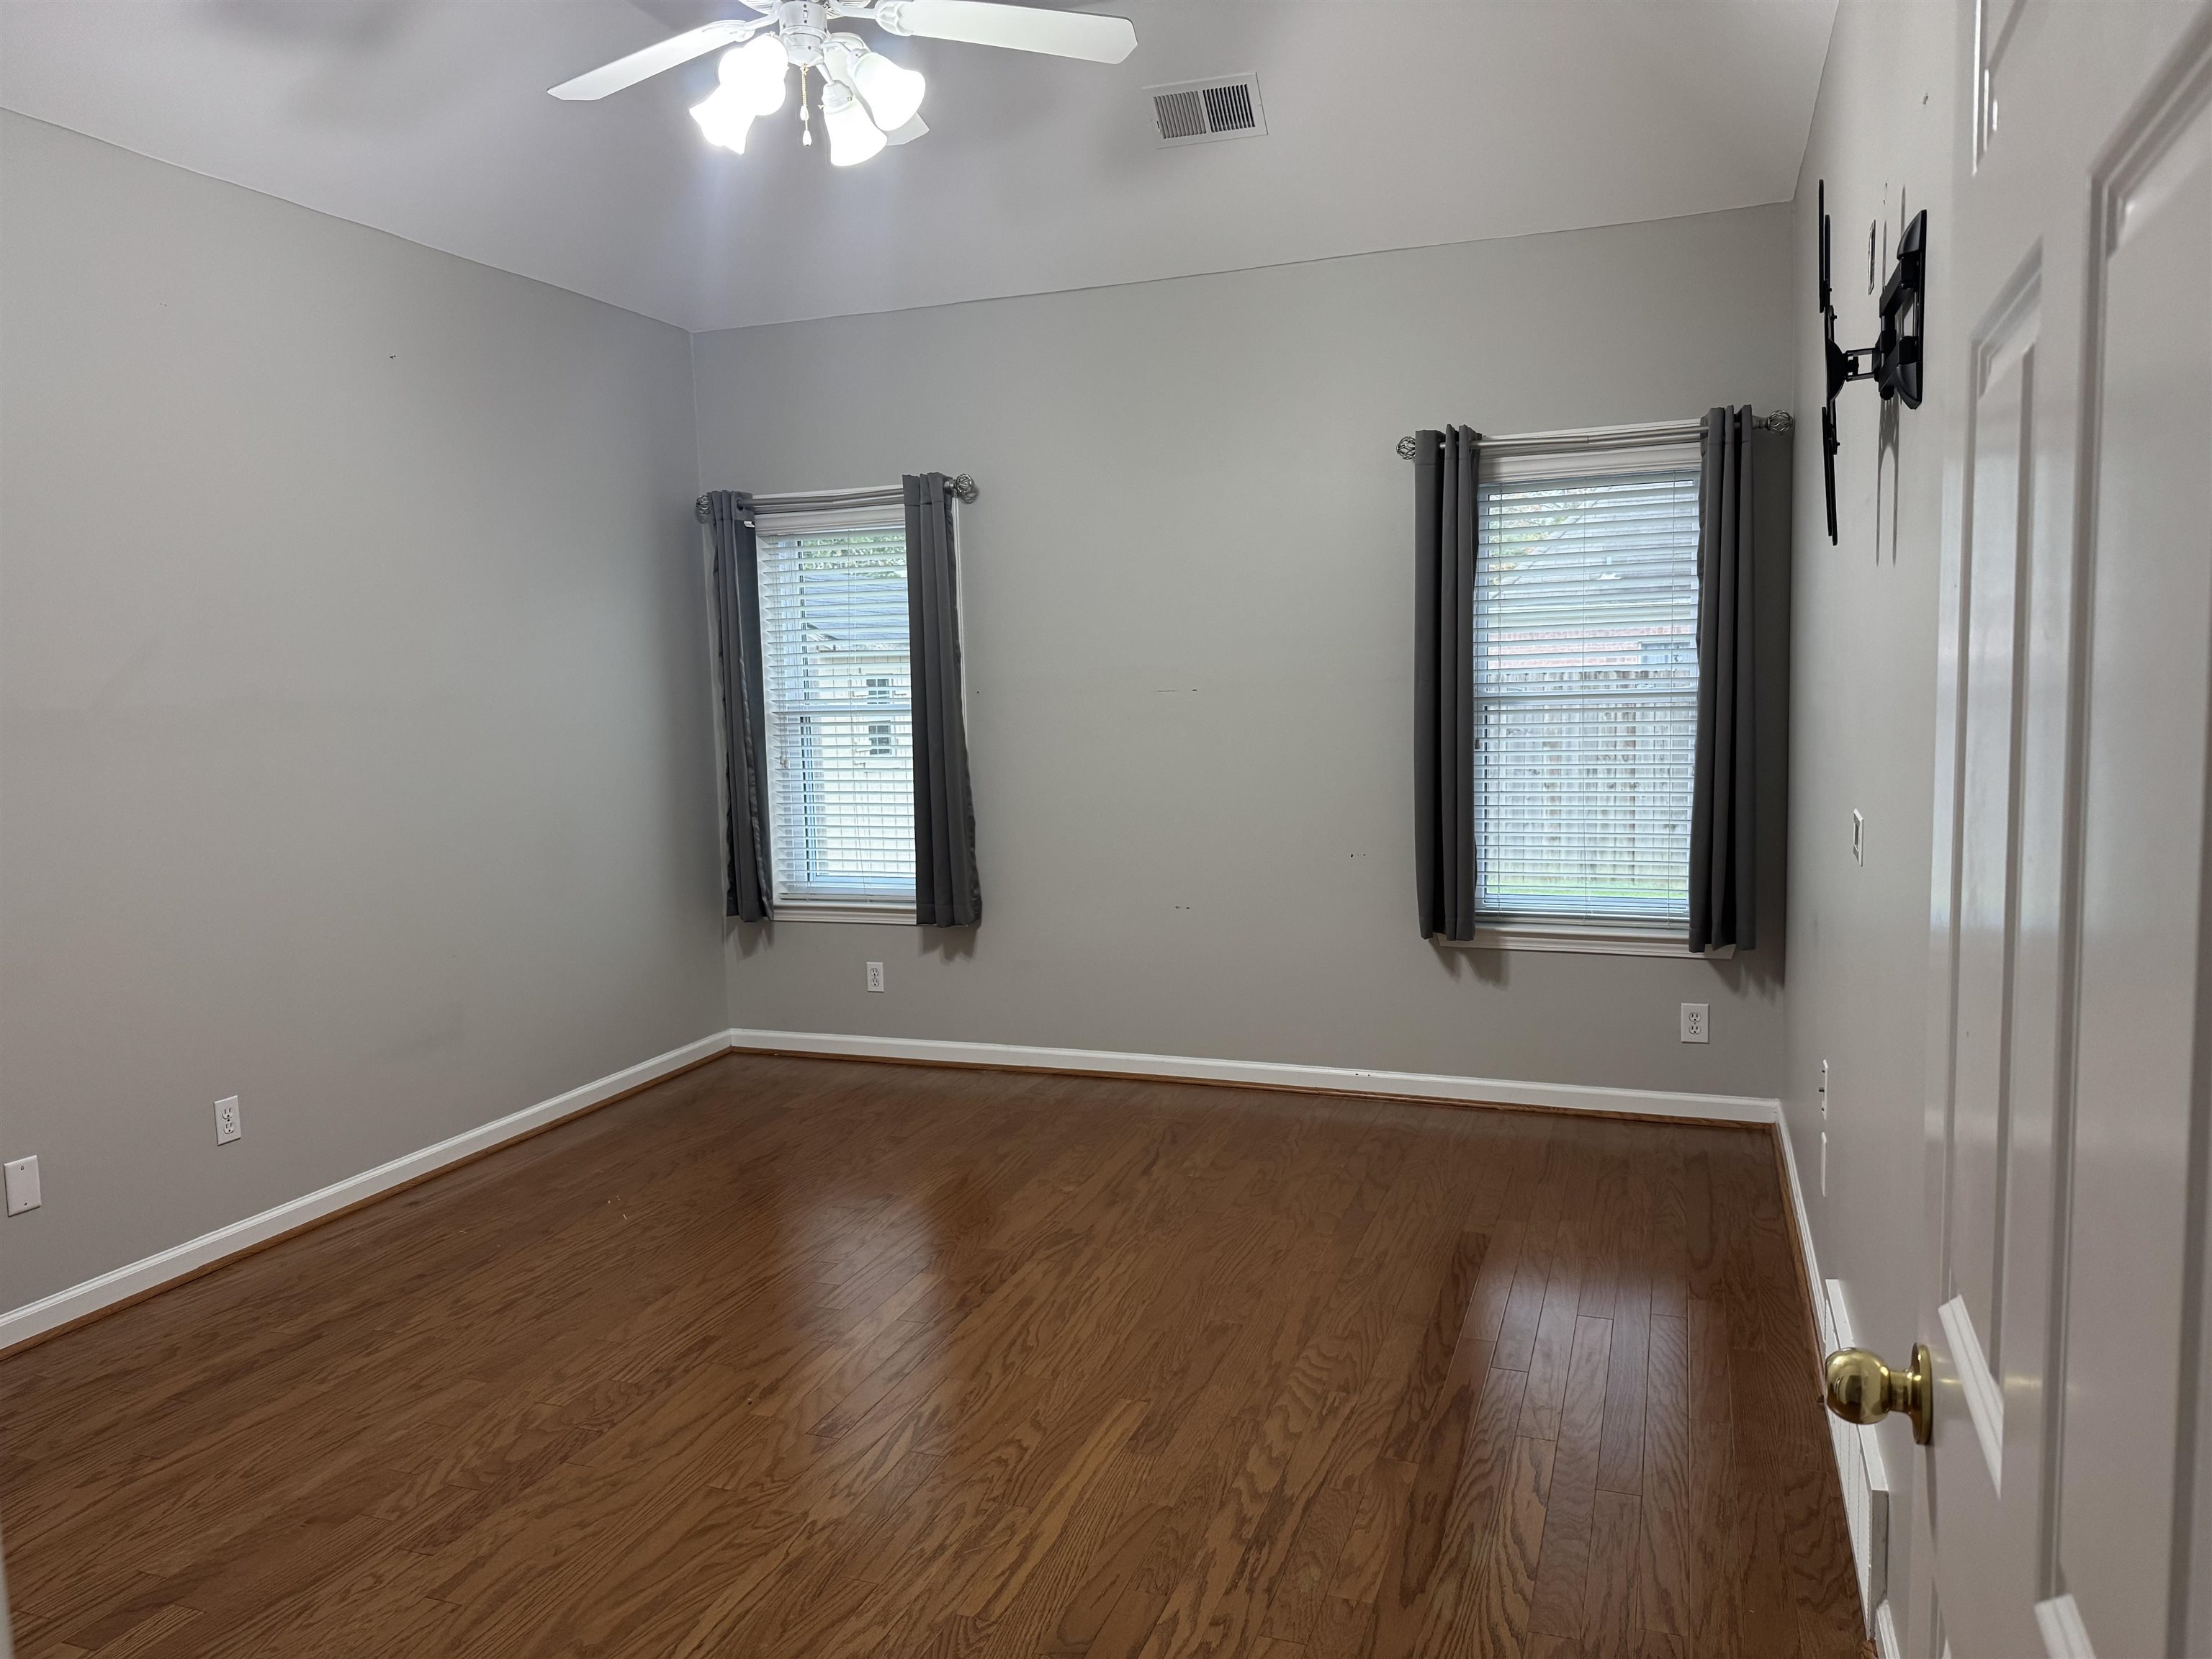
(794, 1357)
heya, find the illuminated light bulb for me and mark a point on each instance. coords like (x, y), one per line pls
(893, 91)
(852, 137)
(725, 118)
(753, 73)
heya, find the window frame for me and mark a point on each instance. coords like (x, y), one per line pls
(867, 510)
(1504, 462)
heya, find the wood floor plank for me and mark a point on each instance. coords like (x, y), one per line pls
(1450, 1510)
(1491, 1612)
(1662, 1566)
(1570, 1513)
(814, 1357)
(1609, 1628)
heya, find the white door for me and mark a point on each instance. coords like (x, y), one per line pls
(2067, 1493)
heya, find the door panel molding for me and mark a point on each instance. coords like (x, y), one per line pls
(2129, 1295)
(1984, 1398)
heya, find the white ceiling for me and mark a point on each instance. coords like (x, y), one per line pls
(1391, 123)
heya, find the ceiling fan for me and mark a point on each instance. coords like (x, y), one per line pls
(867, 101)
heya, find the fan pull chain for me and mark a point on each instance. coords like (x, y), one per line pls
(806, 129)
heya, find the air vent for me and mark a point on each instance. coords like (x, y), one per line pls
(1197, 111)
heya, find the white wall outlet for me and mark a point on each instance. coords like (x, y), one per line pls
(1694, 1016)
(1824, 1091)
(23, 1185)
(229, 1125)
(1859, 837)
(1824, 1162)
(875, 976)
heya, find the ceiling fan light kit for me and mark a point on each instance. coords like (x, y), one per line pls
(867, 101)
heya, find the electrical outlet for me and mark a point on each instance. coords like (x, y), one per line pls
(1824, 1091)
(1858, 837)
(228, 1124)
(1824, 1162)
(875, 976)
(1693, 1021)
(23, 1185)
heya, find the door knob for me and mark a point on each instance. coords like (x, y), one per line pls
(1861, 1389)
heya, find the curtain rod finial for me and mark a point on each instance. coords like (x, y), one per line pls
(1407, 448)
(1780, 420)
(963, 487)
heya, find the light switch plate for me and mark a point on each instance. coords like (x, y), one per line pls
(23, 1185)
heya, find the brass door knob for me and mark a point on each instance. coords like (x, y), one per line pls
(1861, 1389)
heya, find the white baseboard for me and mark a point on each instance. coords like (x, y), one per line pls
(34, 1319)
(180, 1260)
(1267, 1074)
(1859, 1467)
(1816, 1283)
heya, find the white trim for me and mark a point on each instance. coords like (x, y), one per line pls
(863, 493)
(1821, 1316)
(1691, 431)
(1832, 1316)
(1886, 1644)
(827, 520)
(1984, 1398)
(36, 1318)
(1586, 938)
(2064, 1635)
(1266, 1074)
(1864, 1475)
(1506, 462)
(880, 915)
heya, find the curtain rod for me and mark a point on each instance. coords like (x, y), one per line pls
(1592, 437)
(961, 486)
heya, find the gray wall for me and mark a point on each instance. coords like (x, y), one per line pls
(1865, 702)
(354, 705)
(1189, 590)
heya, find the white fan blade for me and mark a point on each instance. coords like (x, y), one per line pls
(914, 129)
(1024, 29)
(641, 65)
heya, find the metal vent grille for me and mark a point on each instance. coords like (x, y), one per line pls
(1228, 109)
(1197, 111)
(1181, 115)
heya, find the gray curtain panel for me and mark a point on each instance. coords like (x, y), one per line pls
(1446, 505)
(746, 887)
(1723, 809)
(945, 890)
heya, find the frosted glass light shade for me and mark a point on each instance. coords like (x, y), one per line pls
(725, 118)
(755, 73)
(852, 137)
(893, 91)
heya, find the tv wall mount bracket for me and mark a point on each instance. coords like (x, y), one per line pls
(1893, 361)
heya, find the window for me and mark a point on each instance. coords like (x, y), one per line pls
(1586, 689)
(839, 729)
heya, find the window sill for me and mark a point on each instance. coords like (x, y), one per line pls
(1588, 938)
(880, 915)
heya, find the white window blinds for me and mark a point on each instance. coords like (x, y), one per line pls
(839, 729)
(1586, 687)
